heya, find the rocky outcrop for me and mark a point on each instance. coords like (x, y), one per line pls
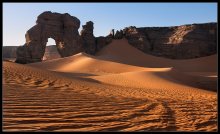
(112, 33)
(63, 28)
(179, 42)
(137, 39)
(89, 41)
(9, 51)
(118, 34)
(102, 42)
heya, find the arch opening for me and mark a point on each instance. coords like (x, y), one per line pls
(51, 51)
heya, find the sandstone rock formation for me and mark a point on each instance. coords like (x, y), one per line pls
(102, 42)
(112, 33)
(9, 51)
(137, 39)
(118, 34)
(89, 41)
(63, 28)
(178, 42)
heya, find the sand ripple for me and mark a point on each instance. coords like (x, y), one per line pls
(40, 100)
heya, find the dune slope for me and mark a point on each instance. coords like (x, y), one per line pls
(112, 64)
(121, 51)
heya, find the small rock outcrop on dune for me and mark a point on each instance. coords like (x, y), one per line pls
(63, 28)
(177, 42)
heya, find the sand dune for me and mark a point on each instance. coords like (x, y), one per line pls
(159, 79)
(119, 89)
(120, 57)
(85, 63)
(120, 51)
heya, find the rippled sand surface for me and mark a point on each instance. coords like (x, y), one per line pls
(96, 93)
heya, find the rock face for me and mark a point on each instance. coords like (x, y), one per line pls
(9, 51)
(89, 41)
(102, 42)
(118, 34)
(137, 39)
(179, 42)
(63, 28)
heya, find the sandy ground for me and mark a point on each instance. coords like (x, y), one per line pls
(119, 89)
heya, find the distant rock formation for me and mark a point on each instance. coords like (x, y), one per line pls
(118, 34)
(9, 51)
(51, 52)
(112, 33)
(178, 42)
(137, 39)
(102, 42)
(63, 28)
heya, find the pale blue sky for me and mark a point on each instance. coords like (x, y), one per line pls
(19, 17)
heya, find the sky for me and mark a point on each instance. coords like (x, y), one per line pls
(20, 17)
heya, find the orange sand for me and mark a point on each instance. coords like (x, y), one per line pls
(119, 89)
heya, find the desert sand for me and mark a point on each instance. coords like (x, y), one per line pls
(119, 89)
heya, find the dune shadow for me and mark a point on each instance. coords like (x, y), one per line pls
(206, 83)
(79, 76)
(131, 63)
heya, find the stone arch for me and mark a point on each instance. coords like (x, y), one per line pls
(63, 28)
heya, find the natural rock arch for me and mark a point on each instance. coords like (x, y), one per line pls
(63, 28)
